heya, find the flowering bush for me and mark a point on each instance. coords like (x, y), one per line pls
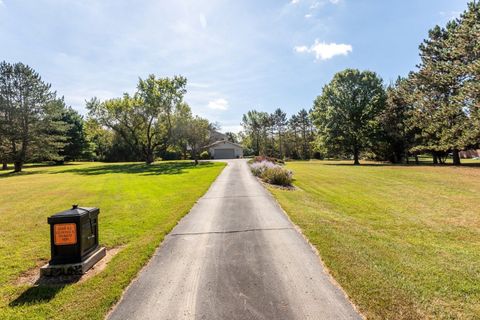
(258, 168)
(272, 173)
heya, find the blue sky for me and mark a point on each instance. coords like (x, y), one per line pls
(237, 55)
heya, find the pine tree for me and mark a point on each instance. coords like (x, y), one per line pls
(29, 114)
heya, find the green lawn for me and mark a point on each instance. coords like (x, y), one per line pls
(403, 241)
(139, 205)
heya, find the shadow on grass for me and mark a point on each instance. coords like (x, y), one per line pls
(44, 290)
(138, 168)
(411, 165)
(26, 172)
(12, 174)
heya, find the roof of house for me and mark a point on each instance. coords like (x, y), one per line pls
(224, 141)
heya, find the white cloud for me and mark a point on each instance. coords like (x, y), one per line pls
(218, 104)
(294, 1)
(325, 51)
(335, 1)
(308, 16)
(302, 49)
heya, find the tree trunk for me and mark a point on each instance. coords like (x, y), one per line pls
(416, 159)
(435, 158)
(4, 166)
(356, 156)
(407, 160)
(149, 159)
(195, 157)
(456, 157)
(18, 166)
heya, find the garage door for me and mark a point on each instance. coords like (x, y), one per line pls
(224, 154)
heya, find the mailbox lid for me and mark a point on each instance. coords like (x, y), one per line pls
(74, 212)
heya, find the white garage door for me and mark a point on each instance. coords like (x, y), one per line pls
(224, 154)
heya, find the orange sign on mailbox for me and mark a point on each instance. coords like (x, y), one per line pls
(65, 234)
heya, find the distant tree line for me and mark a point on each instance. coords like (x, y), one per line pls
(278, 136)
(154, 122)
(435, 110)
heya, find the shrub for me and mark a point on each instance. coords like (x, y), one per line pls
(258, 168)
(205, 155)
(272, 173)
(278, 175)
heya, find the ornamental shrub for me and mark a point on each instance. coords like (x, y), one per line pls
(272, 173)
(205, 155)
(278, 176)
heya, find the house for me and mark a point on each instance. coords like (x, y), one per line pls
(224, 149)
(217, 136)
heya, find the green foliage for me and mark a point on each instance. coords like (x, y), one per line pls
(144, 120)
(278, 176)
(100, 139)
(198, 133)
(346, 113)
(271, 172)
(232, 137)
(446, 91)
(205, 155)
(276, 136)
(397, 136)
(29, 113)
(76, 144)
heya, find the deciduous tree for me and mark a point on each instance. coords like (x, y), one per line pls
(346, 113)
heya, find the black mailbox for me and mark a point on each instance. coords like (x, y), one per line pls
(73, 235)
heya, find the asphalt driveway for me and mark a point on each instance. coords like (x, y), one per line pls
(234, 256)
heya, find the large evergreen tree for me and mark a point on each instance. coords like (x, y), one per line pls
(395, 121)
(437, 96)
(29, 124)
(76, 144)
(466, 57)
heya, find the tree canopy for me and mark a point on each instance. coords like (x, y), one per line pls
(30, 128)
(346, 113)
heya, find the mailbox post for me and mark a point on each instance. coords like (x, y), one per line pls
(74, 242)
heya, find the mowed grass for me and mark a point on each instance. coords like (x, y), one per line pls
(403, 241)
(139, 205)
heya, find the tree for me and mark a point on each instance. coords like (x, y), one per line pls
(346, 113)
(29, 116)
(395, 120)
(304, 123)
(253, 124)
(232, 137)
(181, 119)
(160, 98)
(100, 139)
(279, 122)
(437, 96)
(198, 132)
(143, 120)
(76, 146)
(466, 58)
